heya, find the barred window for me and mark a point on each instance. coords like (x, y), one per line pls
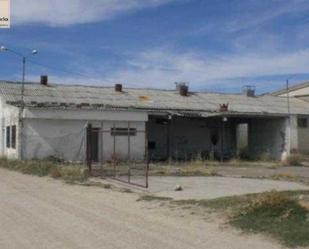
(13, 137)
(8, 137)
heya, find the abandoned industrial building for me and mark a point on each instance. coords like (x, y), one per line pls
(42, 120)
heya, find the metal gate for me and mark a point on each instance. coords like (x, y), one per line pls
(123, 168)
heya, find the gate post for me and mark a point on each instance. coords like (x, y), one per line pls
(88, 148)
(147, 158)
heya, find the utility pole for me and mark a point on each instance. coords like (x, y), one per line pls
(289, 117)
(22, 101)
(22, 107)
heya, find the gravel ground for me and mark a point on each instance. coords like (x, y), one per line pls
(45, 213)
(215, 187)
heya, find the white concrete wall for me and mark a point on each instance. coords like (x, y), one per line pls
(8, 117)
(297, 137)
(303, 137)
(63, 139)
(241, 138)
(62, 134)
(293, 131)
(268, 137)
(136, 150)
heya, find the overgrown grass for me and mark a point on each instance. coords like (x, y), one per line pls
(204, 167)
(38, 168)
(189, 169)
(47, 168)
(73, 173)
(280, 215)
(277, 214)
(285, 176)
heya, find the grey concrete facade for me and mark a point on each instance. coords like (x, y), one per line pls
(187, 138)
(268, 137)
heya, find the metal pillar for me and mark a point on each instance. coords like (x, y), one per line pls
(88, 148)
(114, 149)
(222, 140)
(148, 158)
(129, 153)
(101, 134)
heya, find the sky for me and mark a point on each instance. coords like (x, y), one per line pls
(214, 45)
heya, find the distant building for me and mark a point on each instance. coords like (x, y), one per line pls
(298, 90)
(50, 120)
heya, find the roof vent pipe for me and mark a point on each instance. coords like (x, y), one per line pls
(44, 80)
(182, 88)
(249, 91)
(118, 87)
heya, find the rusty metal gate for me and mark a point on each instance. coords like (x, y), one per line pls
(124, 168)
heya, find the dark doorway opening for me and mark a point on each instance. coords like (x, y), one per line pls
(94, 144)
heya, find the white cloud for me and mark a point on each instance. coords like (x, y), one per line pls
(70, 12)
(260, 14)
(161, 68)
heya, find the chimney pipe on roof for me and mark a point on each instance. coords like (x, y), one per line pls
(44, 80)
(182, 88)
(118, 87)
(249, 91)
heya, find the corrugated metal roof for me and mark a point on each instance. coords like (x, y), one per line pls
(151, 99)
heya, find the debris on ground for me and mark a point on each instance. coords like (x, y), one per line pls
(178, 188)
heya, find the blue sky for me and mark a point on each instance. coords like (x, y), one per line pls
(214, 45)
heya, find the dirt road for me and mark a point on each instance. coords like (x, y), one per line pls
(45, 213)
